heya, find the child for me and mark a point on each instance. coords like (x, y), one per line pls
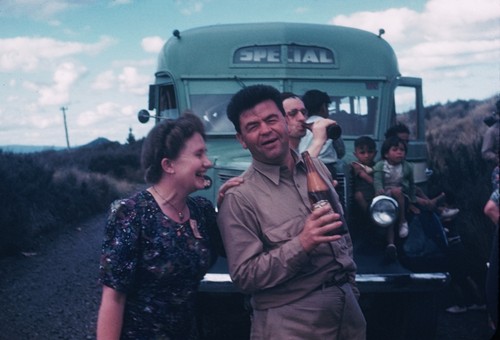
(393, 176)
(365, 150)
(434, 204)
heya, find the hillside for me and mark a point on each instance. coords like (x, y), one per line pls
(15, 148)
(18, 148)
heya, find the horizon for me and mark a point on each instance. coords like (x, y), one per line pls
(21, 147)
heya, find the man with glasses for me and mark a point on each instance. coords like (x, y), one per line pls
(316, 102)
(296, 116)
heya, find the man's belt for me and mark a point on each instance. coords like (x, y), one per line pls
(333, 282)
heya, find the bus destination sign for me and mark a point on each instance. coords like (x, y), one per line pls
(274, 54)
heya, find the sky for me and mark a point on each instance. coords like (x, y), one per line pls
(96, 58)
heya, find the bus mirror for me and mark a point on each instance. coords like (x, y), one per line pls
(143, 116)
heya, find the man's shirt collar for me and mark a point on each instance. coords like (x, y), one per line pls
(272, 171)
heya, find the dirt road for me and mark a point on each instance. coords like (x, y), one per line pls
(52, 293)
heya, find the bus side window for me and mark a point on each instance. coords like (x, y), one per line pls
(167, 106)
(406, 109)
(355, 114)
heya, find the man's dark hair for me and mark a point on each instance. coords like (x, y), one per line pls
(287, 95)
(249, 97)
(365, 141)
(389, 143)
(314, 100)
(397, 129)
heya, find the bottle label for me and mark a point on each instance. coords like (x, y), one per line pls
(340, 230)
(320, 204)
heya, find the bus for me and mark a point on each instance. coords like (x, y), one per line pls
(200, 69)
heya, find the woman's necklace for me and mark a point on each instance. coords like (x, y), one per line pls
(179, 213)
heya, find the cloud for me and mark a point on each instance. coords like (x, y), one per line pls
(109, 119)
(447, 33)
(131, 81)
(104, 81)
(45, 121)
(26, 53)
(58, 92)
(18, 124)
(102, 112)
(397, 22)
(35, 8)
(152, 44)
(189, 7)
(301, 10)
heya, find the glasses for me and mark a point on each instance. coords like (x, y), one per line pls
(294, 112)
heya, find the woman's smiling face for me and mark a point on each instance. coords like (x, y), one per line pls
(192, 164)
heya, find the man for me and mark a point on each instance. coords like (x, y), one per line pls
(300, 279)
(492, 211)
(490, 146)
(490, 153)
(316, 103)
(296, 115)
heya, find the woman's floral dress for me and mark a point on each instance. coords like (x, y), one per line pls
(158, 263)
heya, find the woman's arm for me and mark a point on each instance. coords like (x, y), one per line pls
(110, 319)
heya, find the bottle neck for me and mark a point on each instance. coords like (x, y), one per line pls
(315, 182)
(310, 167)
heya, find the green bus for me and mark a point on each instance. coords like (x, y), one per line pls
(200, 69)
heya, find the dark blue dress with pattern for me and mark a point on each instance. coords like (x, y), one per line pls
(158, 263)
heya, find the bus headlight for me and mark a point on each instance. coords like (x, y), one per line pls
(384, 210)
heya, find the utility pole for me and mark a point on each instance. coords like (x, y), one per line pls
(63, 109)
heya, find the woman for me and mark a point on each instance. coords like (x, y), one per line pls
(160, 242)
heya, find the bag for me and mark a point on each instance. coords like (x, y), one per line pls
(425, 248)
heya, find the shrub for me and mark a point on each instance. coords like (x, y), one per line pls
(454, 138)
(45, 191)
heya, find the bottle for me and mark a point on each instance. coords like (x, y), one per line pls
(319, 192)
(334, 131)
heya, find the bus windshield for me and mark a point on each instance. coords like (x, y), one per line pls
(212, 110)
(356, 114)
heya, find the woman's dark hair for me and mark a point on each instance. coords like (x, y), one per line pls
(166, 140)
(249, 97)
(389, 143)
